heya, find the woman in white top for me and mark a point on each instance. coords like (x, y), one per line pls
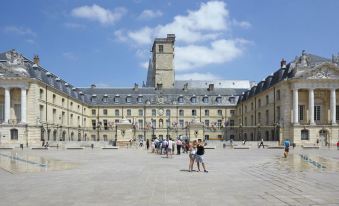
(169, 148)
(192, 154)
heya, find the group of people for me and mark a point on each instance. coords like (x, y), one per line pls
(195, 150)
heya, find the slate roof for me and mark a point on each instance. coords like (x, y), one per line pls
(106, 96)
(281, 74)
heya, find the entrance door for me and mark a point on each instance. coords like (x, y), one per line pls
(323, 135)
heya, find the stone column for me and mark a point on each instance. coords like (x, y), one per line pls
(311, 106)
(333, 106)
(7, 104)
(23, 105)
(295, 107)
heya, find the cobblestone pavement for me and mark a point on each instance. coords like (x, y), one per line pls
(136, 177)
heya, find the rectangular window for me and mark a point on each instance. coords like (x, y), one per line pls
(154, 112)
(278, 113)
(141, 112)
(129, 113)
(63, 118)
(105, 111)
(219, 123)
(232, 123)
(207, 123)
(181, 123)
(232, 112)
(54, 115)
(62, 102)
(317, 112)
(116, 113)
(71, 119)
(301, 112)
(94, 112)
(278, 95)
(259, 117)
(267, 117)
(168, 113)
(154, 123)
(54, 97)
(207, 112)
(141, 123)
(181, 113)
(2, 113)
(194, 112)
(259, 102)
(41, 93)
(161, 48)
(168, 123)
(105, 124)
(267, 99)
(252, 120)
(94, 124)
(220, 112)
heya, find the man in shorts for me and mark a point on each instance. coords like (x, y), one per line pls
(199, 155)
(287, 147)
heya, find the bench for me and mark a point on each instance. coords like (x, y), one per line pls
(241, 147)
(6, 148)
(210, 147)
(74, 148)
(110, 147)
(275, 147)
(40, 148)
(310, 147)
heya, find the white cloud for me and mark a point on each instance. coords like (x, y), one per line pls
(202, 36)
(103, 85)
(120, 35)
(144, 65)
(143, 36)
(150, 14)
(98, 13)
(242, 24)
(20, 31)
(219, 51)
(197, 76)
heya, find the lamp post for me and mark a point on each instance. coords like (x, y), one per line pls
(240, 132)
(258, 133)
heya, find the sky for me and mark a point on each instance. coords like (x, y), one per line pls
(108, 43)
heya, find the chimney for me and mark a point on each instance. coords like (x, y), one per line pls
(171, 36)
(93, 86)
(36, 59)
(136, 87)
(210, 87)
(283, 63)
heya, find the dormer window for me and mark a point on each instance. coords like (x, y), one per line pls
(116, 99)
(205, 99)
(218, 100)
(194, 99)
(181, 99)
(232, 100)
(128, 99)
(105, 98)
(94, 98)
(139, 99)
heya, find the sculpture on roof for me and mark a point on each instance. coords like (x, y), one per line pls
(14, 64)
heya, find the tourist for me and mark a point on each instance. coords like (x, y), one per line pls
(261, 143)
(287, 147)
(179, 144)
(164, 147)
(199, 155)
(153, 146)
(192, 154)
(147, 144)
(173, 146)
(169, 148)
(338, 145)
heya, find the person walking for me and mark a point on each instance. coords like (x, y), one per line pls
(192, 154)
(147, 144)
(287, 147)
(262, 143)
(338, 145)
(169, 148)
(179, 144)
(199, 155)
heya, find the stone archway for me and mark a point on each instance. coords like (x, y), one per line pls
(323, 137)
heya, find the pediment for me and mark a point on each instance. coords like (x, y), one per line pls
(323, 71)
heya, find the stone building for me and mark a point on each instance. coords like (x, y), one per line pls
(297, 102)
(37, 105)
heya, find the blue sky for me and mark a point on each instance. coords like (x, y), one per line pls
(108, 42)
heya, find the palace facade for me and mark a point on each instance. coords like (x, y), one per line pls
(37, 105)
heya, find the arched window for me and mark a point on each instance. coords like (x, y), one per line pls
(79, 136)
(194, 99)
(14, 134)
(305, 134)
(72, 136)
(42, 134)
(63, 136)
(218, 100)
(205, 99)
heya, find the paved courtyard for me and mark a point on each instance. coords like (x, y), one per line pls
(136, 177)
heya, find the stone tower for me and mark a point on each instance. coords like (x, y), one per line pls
(161, 69)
